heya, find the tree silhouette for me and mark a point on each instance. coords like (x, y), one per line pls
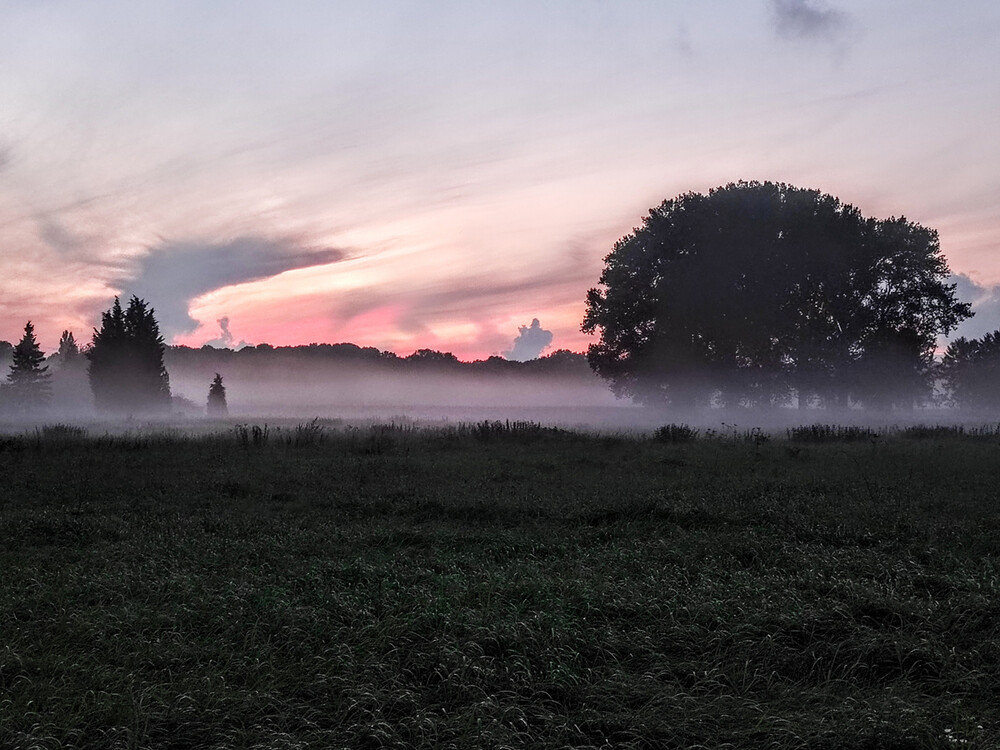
(970, 370)
(217, 398)
(68, 350)
(126, 361)
(28, 379)
(68, 355)
(430, 358)
(758, 291)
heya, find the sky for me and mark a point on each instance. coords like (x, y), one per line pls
(442, 174)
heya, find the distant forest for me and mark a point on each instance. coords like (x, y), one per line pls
(560, 362)
(968, 376)
(317, 372)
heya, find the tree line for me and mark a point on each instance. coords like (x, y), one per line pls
(124, 369)
(123, 364)
(289, 358)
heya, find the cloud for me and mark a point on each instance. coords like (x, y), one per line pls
(225, 339)
(530, 342)
(808, 20)
(56, 236)
(172, 275)
(985, 304)
(682, 41)
(472, 297)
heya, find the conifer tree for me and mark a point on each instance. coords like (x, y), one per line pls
(217, 398)
(126, 361)
(28, 378)
(69, 351)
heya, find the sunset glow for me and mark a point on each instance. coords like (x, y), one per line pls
(436, 175)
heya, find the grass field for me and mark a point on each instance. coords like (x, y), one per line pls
(499, 586)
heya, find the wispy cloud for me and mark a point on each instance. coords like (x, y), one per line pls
(805, 19)
(682, 41)
(479, 159)
(173, 274)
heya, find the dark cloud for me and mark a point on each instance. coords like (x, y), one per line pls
(171, 275)
(985, 304)
(531, 341)
(805, 19)
(59, 238)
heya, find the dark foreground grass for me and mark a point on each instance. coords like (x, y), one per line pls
(497, 587)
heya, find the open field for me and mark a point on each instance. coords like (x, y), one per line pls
(499, 585)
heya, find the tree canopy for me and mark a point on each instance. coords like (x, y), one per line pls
(126, 361)
(757, 292)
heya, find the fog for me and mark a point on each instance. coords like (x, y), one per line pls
(373, 394)
(343, 384)
(293, 389)
(359, 393)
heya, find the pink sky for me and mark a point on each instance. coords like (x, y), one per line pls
(436, 175)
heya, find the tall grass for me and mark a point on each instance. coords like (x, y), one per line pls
(495, 586)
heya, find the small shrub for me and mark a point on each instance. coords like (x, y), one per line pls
(675, 433)
(986, 432)
(13, 443)
(517, 431)
(383, 437)
(832, 433)
(62, 432)
(951, 432)
(310, 433)
(252, 435)
(928, 432)
(127, 441)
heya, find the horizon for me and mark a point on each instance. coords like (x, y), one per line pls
(217, 346)
(408, 177)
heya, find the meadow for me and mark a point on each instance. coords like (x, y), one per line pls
(499, 585)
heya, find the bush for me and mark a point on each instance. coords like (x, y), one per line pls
(831, 433)
(941, 432)
(62, 432)
(517, 431)
(675, 433)
(255, 435)
(309, 433)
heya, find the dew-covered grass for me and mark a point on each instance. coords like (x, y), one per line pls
(498, 585)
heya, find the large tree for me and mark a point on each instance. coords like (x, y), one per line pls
(759, 291)
(28, 379)
(126, 361)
